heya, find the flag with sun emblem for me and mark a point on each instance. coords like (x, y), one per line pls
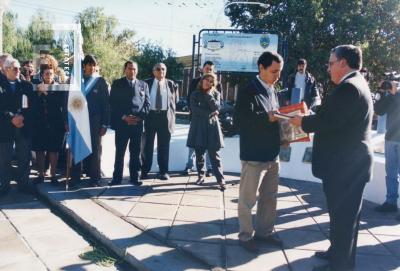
(79, 139)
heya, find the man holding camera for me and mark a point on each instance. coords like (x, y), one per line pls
(388, 102)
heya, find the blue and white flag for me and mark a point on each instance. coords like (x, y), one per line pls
(79, 139)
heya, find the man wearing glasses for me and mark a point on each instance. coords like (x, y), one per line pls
(342, 153)
(160, 121)
(16, 102)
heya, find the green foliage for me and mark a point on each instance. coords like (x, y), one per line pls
(313, 27)
(15, 41)
(101, 39)
(151, 54)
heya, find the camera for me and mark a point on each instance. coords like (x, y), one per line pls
(389, 77)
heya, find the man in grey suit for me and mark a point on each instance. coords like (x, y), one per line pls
(160, 121)
(342, 153)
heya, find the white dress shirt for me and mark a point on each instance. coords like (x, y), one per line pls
(300, 82)
(164, 94)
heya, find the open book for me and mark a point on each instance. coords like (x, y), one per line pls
(289, 132)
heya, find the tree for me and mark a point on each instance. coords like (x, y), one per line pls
(15, 41)
(151, 54)
(313, 27)
(101, 38)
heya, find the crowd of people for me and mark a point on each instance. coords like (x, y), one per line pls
(139, 111)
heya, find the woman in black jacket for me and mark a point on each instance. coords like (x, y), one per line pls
(205, 131)
(49, 125)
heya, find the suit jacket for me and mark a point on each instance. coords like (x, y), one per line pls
(342, 126)
(127, 100)
(259, 138)
(311, 94)
(173, 97)
(11, 104)
(98, 102)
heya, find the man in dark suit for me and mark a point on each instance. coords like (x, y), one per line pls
(304, 80)
(97, 97)
(129, 100)
(160, 121)
(342, 154)
(16, 105)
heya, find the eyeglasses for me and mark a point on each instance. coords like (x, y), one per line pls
(160, 69)
(16, 69)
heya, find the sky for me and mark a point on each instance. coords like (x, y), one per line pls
(169, 23)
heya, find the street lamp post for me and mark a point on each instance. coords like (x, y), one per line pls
(3, 6)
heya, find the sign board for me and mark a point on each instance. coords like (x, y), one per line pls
(236, 52)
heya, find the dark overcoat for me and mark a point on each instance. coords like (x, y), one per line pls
(205, 130)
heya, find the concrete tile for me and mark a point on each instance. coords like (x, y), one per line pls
(7, 231)
(298, 221)
(286, 207)
(31, 263)
(205, 190)
(231, 203)
(376, 262)
(201, 201)
(199, 214)
(368, 244)
(300, 239)
(13, 251)
(266, 259)
(208, 252)
(302, 260)
(125, 192)
(391, 243)
(119, 206)
(151, 210)
(170, 198)
(197, 232)
(158, 226)
(384, 227)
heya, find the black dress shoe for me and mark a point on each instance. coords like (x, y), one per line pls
(249, 245)
(326, 267)
(208, 173)
(387, 208)
(163, 176)
(136, 182)
(271, 239)
(114, 182)
(221, 184)
(324, 255)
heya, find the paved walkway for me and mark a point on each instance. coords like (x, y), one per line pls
(176, 225)
(32, 238)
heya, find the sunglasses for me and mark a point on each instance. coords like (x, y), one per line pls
(160, 69)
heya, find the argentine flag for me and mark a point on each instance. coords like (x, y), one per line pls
(79, 139)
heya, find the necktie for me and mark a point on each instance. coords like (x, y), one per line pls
(158, 98)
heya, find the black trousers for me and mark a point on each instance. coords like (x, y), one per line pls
(156, 124)
(344, 200)
(91, 163)
(123, 135)
(215, 162)
(23, 156)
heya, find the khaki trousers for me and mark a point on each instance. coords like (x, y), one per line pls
(252, 173)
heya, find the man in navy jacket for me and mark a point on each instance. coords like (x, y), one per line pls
(259, 150)
(129, 100)
(16, 103)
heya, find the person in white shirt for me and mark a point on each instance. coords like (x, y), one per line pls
(304, 81)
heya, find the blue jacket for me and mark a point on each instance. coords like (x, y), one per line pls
(259, 138)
